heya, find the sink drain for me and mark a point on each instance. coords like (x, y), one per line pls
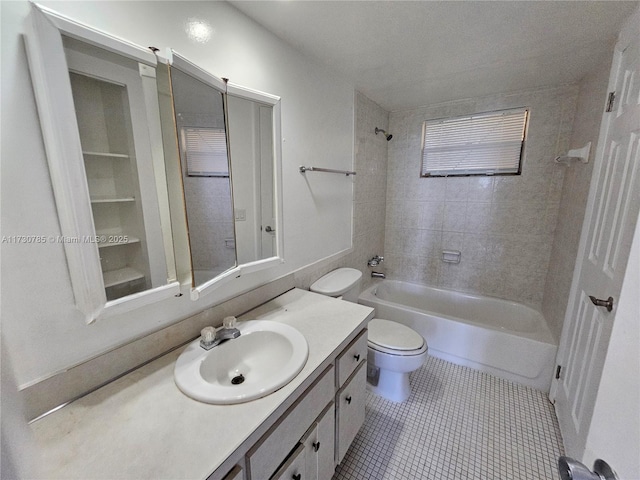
(237, 380)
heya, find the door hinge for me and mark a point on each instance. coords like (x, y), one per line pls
(558, 369)
(610, 101)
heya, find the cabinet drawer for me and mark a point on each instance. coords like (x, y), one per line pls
(350, 358)
(235, 474)
(350, 405)
(265, 456)
(294, 467)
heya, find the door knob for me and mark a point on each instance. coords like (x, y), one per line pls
(571, 469)
(608, 303)
(268, 229)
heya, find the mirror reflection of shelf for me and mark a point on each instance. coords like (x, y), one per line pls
(121, 276)
(105, 155)
(106, 199)
(129, 241)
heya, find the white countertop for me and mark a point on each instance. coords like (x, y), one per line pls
(141, 426)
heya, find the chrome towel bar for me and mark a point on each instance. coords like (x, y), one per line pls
(326, 170)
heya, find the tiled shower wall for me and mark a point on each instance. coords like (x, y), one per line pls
(370, 185)
(503, 225)
(586, 127)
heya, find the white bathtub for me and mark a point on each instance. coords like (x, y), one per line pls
(506, 339)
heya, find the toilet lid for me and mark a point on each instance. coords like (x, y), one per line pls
(394, 335)
(337, 282)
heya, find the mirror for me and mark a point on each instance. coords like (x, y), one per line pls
(228, 163)
(98, 109)
(252, 160)
(204, 162)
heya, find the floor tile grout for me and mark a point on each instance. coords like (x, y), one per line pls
(459, 423)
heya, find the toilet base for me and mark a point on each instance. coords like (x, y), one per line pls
(393, 386)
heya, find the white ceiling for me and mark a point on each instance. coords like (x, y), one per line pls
(404, 54)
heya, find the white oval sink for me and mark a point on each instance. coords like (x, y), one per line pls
(265, 357)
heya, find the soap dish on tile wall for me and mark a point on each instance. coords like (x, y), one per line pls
(451, 256)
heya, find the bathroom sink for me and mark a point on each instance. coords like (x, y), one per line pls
(265, 357)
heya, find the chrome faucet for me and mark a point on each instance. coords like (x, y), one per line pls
(375, 261)
(210, 337)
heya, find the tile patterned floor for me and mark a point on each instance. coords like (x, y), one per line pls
(458, 424)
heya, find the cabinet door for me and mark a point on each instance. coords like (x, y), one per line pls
(294, 467)
(310, 442)
(319, 443)
(350, 405)
(325, 447)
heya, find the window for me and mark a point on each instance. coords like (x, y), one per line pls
(206, 152)
(488, 143)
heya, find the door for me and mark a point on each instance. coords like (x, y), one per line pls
(612, 212)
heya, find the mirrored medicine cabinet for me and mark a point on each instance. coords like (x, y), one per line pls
(151, 190)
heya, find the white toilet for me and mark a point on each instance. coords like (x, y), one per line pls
(395, 350)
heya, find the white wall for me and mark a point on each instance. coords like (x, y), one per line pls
(42, 331)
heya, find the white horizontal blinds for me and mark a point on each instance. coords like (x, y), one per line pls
(206, 152)
(485, 143)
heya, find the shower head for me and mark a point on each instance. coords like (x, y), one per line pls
(388, 136)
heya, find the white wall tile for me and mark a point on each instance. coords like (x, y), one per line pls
(503, 225)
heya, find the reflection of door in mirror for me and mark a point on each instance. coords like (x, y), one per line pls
(200, 123)
(251, 143)
(108, 97)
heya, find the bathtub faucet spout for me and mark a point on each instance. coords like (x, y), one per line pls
(377, 275)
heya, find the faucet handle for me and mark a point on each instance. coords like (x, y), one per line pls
(208, 334)
(229, 322)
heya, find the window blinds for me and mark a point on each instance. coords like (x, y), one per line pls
(481, 144)
(206, 152)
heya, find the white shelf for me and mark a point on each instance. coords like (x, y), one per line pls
(112, 199)
(121, 276)
(115, 244)
(105, 155)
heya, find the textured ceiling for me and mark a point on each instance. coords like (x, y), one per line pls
(404, 54)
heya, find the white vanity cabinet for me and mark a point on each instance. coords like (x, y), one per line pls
(330, 411)
(303, 429)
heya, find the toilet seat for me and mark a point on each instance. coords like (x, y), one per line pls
(394, 338)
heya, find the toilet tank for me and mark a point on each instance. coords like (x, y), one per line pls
(342, 282)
